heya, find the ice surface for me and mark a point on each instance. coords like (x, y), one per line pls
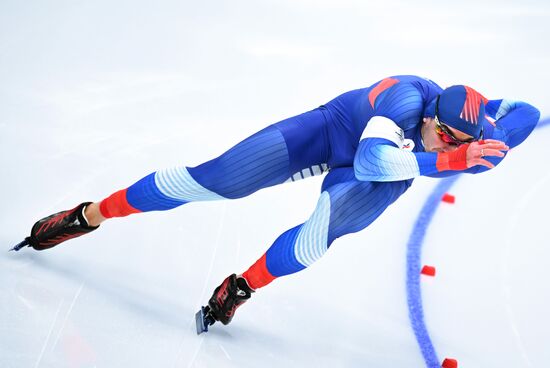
(94, 96)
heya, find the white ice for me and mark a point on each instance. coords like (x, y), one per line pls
(95, 95)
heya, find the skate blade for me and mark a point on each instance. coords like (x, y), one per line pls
(18, 247)
(203, 319)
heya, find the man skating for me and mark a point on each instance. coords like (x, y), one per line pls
(372, 142)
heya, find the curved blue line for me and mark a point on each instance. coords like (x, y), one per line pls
(414, 253)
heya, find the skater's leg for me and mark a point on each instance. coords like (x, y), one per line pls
(346, 206)
(291, 149)
(257, 162)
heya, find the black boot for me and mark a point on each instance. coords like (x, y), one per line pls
(230, 295)
(54, 229)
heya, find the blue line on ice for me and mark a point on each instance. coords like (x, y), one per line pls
(414, 252)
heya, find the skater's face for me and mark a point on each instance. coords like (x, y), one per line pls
(447, 134)
(440, 138)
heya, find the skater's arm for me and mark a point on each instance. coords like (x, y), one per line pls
(380, 156)
(515, 121)
(379, 159)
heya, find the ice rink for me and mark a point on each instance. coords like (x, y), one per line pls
(96, 95)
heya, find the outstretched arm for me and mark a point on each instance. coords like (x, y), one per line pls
(515, 120)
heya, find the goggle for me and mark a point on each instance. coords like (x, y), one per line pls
(446, 134)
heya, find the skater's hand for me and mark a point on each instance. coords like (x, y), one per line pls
(471, 154)
(483, 148)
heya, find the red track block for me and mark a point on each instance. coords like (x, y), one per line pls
(428, 271)
(448, 198)
(449, 363)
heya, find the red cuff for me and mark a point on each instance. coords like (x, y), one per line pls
(258, 275)
(454, 160)
(116, 205)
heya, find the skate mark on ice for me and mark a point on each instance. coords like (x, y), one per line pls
(49, 335)
(203, 293)
(225, 352)
(25, 302)
(515, 216)
(67, 316)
